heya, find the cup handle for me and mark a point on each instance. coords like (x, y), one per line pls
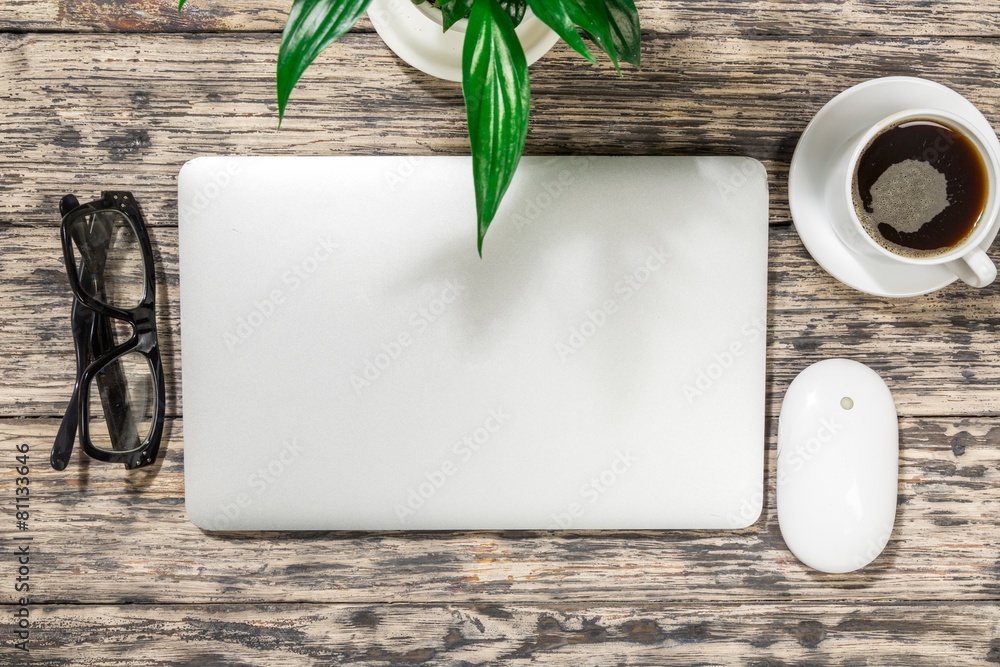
(976, 268)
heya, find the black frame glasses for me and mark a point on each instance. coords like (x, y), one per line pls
(87, 239)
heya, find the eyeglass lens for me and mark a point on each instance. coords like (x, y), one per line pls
(121, 404)
(109, 259)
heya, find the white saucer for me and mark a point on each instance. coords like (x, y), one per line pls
(415, 36)
(849, 113)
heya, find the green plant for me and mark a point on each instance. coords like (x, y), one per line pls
(494, 70)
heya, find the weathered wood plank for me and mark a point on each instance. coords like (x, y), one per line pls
(85, 112)
(127, 111)
(103, 536)
(39, 368)
(919, 635)
(939, 353)
(708, 17)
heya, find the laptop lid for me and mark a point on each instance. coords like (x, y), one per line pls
(350, 362)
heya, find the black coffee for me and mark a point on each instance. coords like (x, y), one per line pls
(920, 188)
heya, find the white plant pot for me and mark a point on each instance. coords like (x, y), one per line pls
(414, 33)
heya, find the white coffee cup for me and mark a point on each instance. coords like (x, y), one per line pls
(967, 260)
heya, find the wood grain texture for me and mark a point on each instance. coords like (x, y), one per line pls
(122, 577)
(757, 635)
(134, 108)
(939, 353)
(710, 17)
(104, 536)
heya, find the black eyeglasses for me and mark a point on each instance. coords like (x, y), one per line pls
(118, 401)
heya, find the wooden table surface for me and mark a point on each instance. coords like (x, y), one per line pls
(118, 94)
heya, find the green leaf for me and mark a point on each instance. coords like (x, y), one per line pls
(497, 101)
(454, 11)
(592, 17)
(553, 13)
(515, 10)
(312, 26)
(180, 5)
(626, 35)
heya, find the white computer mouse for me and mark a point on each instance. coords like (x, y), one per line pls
(838, 465)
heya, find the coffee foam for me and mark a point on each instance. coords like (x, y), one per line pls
(907, 196)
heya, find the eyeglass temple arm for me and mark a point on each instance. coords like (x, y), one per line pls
(113, 388)
(62, 448)
(93, 334)
(93, 245)
(92, 331)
